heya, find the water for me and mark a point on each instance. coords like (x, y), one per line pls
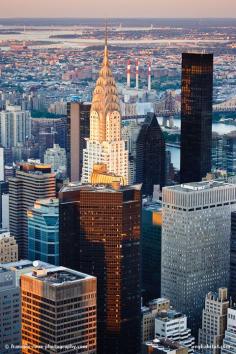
(219, 128)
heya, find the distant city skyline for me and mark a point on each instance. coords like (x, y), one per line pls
(121, 8)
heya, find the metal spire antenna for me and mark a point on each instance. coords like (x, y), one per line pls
(106, 34)
(105, 60)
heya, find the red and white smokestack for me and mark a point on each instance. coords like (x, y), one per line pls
(137, 75)
(128, 74)
(149, 77)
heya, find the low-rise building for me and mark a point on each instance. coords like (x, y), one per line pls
(163, 346)
(148, 317)
(172, 324)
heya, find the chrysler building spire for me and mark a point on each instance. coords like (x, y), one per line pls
(105, 145)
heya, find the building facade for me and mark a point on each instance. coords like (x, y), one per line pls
(32, 182)
(230, 152)
(15, 126)
(150, 155)
(229, 342)
(8, 248)
(56, 157)
(151, 250)
(130, 131)
(43, 231)
(103, 225)
(3, 195)
(214, 322)
(78, 127)
(67, 300)
(196, 232)
(232, 282)
(148, 317)
(105, 144)
(196, 116)
(10, 313)
(172, 324)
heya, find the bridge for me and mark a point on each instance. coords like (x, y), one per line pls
(227, 106)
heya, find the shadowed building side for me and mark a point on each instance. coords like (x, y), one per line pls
(150, 156)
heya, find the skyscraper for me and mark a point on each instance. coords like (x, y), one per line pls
(15, 126)
(78, 122)
(196, 116)
(100, 235)
(10, 314)
(43, 231)
(3, 194)
(196, 243)
(214, 321)
(105, 144)
(58, 311)
(31, 182)
(2, 164)
(150, 155)
(232, 282)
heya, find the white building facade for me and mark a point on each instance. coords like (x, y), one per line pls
(173, 325)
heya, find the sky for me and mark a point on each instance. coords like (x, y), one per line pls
(118, 8)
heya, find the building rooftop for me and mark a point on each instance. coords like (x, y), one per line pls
(152, 206)
(199, 186)
(163, 344)
(76, 186)
(22, 264)
(169, 315)
(57, 276)
(158, 301)
(3, 270)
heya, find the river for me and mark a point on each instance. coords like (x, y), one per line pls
(219, 128)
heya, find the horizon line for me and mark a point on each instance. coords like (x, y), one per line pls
(120, 17)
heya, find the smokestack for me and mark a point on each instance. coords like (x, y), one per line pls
(137, 75)
(149, 77)
(128, 74)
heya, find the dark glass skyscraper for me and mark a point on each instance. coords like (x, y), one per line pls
(150, 155)
(100, 233)
(78, 123)
(196, 116)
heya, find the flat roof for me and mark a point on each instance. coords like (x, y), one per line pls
(199, 186)
(58, 275)
(73, 186)
(152, 206)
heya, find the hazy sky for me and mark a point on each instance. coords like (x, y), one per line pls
(118, 8)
